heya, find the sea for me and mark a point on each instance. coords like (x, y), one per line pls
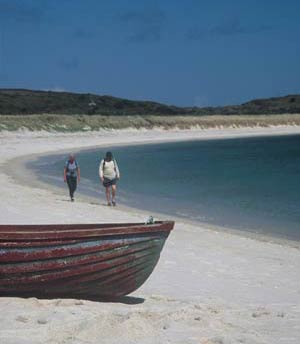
(247, 184)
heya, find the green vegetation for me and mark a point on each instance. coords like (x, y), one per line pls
(26, 102)
(65, 123)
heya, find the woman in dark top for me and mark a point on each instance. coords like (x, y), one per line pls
(71, 175)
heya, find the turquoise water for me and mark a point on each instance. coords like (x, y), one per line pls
(250, 184)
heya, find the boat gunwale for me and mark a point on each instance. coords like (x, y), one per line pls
(77, 226)
(63, 232)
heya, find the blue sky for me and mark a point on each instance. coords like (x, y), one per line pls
(176, 52)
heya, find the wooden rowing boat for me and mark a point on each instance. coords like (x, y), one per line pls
(81, 260)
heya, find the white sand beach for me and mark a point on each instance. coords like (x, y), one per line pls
(209, 286)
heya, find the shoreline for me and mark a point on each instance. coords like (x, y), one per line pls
(208, 287)
(30, 178)
(22, 174)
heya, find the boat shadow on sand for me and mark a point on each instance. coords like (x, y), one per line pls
(126, 300)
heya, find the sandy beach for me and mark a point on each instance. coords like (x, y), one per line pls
(208, 287)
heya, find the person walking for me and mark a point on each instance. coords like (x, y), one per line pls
(109, 174)
(72, 175)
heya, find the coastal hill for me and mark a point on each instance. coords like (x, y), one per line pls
(27, 102)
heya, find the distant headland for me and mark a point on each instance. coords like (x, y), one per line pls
(25, 102)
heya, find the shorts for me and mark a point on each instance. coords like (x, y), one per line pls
(109, 182)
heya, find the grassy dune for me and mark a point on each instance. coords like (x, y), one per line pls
(67, 123)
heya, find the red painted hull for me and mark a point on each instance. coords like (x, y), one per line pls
(82, 261)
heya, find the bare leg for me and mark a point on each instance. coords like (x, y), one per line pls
(113, 193)
(107, 191)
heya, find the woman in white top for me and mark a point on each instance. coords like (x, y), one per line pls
(109, 174)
